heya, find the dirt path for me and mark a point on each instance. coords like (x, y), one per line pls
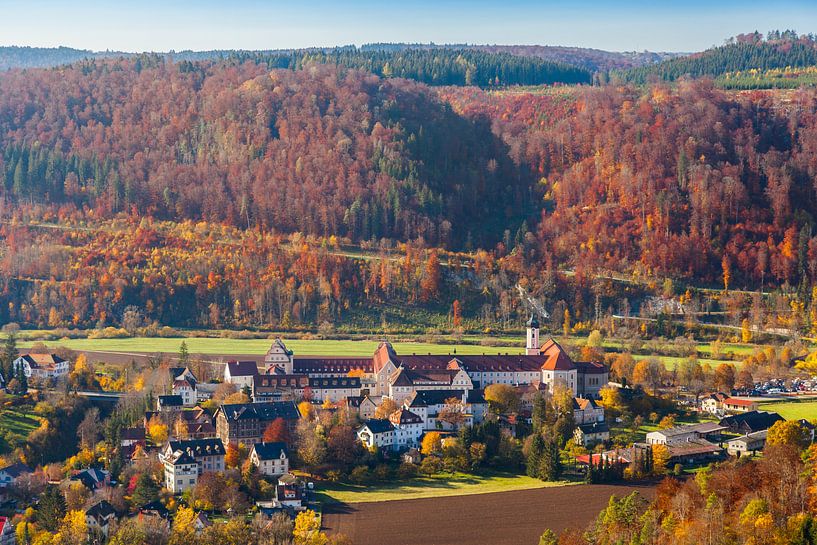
(504, 518)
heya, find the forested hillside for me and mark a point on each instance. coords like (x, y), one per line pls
(320, 150)
(742, 53)
(222, 193)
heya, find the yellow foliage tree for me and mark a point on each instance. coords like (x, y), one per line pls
(307, 410)
(157, 430)
(307, 529)
(73, 529)
(432, 443)
(184, 528)
(788, 433)
(660, 459)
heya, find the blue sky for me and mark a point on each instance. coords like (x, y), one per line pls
(658, 25)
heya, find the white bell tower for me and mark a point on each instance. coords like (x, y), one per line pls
(532, 345)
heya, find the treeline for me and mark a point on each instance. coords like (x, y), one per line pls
(744, 52)
(432, 66)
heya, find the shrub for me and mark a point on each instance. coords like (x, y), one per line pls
(382, 472)
(407, 471)
(360, 475)
(431, 466)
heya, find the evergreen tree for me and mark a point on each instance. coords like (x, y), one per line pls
(539, 414)
(535, 455)
(8, 355)
(145, 491)
(51, 508)
(184, 355)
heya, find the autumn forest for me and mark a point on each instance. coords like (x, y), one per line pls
(226, 193)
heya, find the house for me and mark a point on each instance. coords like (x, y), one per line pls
(201, 522)
(93, 479)
(10, 474)
(430, 404)
(181, 471)
(750, 422)
(362, 406)
(195, 423)
(41, 366)
(183, 383)
(167, 403)
(278, 387)
(246, 422)
(7, 535)
(99, 517)
(682, 434)
(408, 427)
(412, 456)
(240, 373)
(586, 411)
(289, 492)
(713, 403)
(739, 405)
(208, 453)
(154, 509)
(591, 433)
(747, 444)
(132, 436)
(404, 382)
(376, 432)
(332, 389)
(271, 459)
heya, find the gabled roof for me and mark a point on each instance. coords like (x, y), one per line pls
(593, 427)
(378, 425)
(751, 421)
(242, 368)
(556, 359)
(584, 404)
(270, 451)
(171, 401)
(426, 398)
(410, 377)
(404, 417)
(15, 470)
(199, 447)
(261, 411)
(102, 509)
(738, 402)
(181, 457)
(42, 360)
(91, 477)
(132, 434)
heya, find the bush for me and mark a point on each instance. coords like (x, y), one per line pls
(382, 472)
(360, 475)
(678, 470)
(407, 471)
(431, 466)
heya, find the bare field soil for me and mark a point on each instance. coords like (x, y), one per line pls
(503, 518)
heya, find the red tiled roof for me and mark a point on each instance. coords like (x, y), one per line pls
(739, 402)
(556, 358)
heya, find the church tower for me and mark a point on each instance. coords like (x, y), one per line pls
(532, 346)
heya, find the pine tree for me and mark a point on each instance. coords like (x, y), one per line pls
(535, 455)
(184, 355)
(7, 357)
(51, 508)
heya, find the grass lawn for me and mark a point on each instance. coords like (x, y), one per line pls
(793, 410)
(15, 425)
(201, 345)
(458, 484)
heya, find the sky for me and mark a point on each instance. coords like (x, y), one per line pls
(623, 25)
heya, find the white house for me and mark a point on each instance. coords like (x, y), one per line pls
(408, 427)
(713, 403)
(279, 356)
(184, 384)
(685, 434)
(99, 517)
(208, 453)
(9, 476)
(586, 411)
(41, 366)
(747, 444)
(591, 433)
(271, 459)
(181, 471)
(376, 433)
(240, 373)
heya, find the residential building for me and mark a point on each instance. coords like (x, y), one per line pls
(739, 405)
(271, 459)
(376, 432)
(208, 453)
(586, 411)
(9, 476)
(246, 422)
(166, 403)
(693, 451)
(429, 404)
(92, 478)
(591, 434)
(281, 387)
(750, 422)
(184, 384)
(240, 373)
(713, 403)
(363, 406)
(41, 366)
(408, 428)
(181, 471)
(99, 518)
(747, 445)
